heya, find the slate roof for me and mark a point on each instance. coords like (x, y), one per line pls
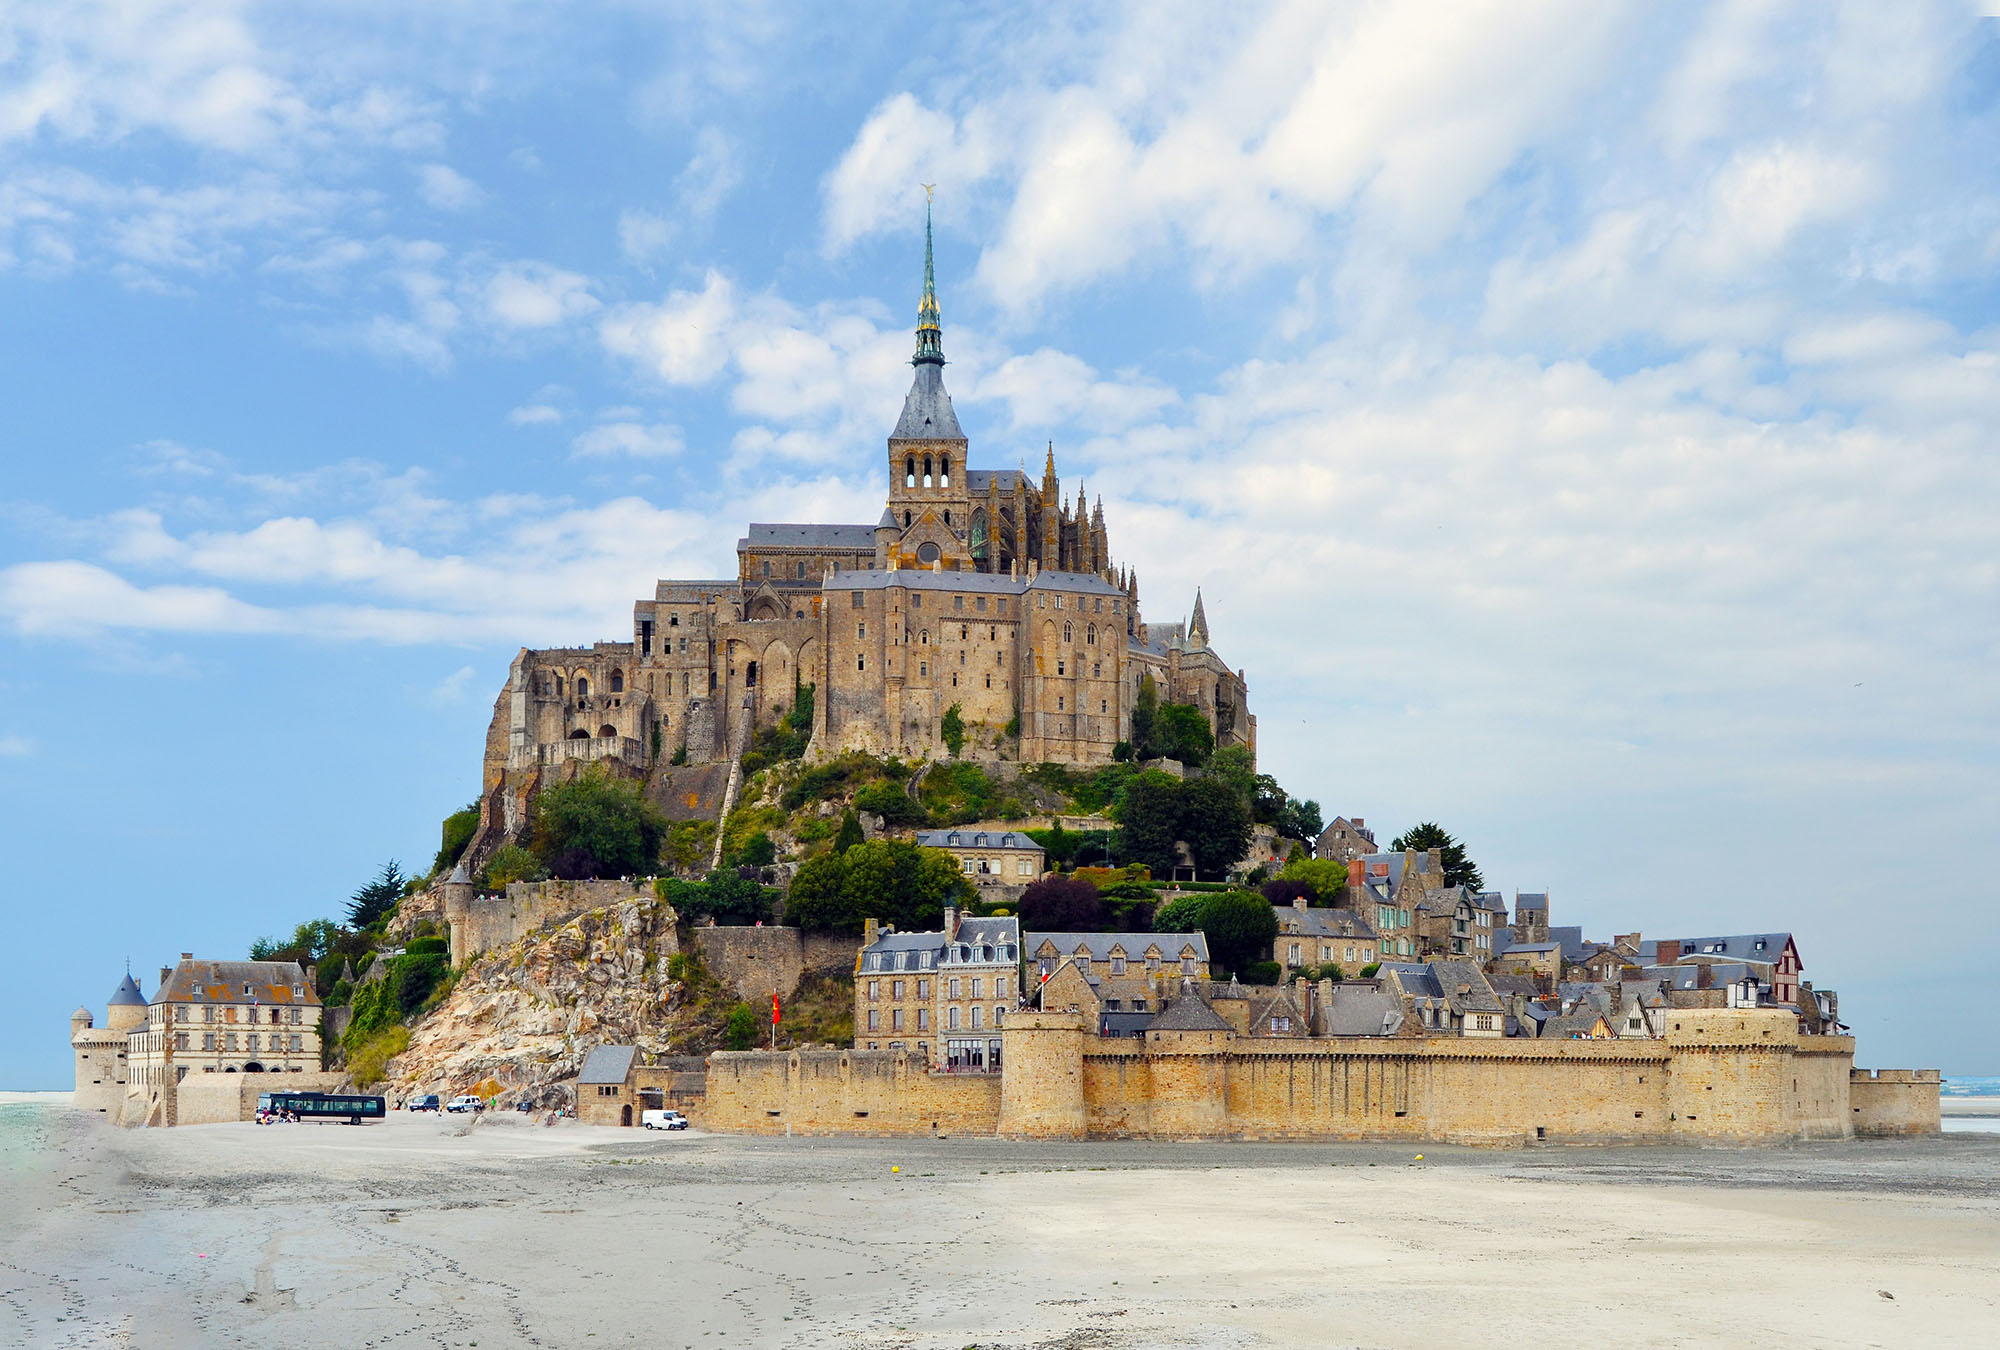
(976, 481)
(1570, 939)
(1362, 1010)
(927, 414)
(1528, 947)
(607, 1064)
(927, 951)
(1188, 1013)
(222, 982)
(1763, 947)
(1573, 1025)
(128, 995)
(975, 839)
(845, 538)
(1322, 922)
(1531, 900)
(1099, 945)
(1507, 985)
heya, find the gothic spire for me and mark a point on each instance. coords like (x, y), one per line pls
(930, 332)
(1198, 624)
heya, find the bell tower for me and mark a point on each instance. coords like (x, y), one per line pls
(929, 500)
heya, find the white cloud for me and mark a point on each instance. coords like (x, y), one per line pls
(455, 687)
(643, 235)
(683, 340)
(534, 415)
(447, 189)
(536, 295)
(1050, 388)
(639, 439)
(16, 747)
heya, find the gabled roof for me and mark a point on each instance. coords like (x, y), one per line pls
(1362, 1010)
(223, 982)
(607, 1064)
(1188, 1013)
(845, 538)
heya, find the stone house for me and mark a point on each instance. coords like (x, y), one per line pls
(1448, 998)
(1531, 916)
(227, 1017)
(943, 994)
(1541, 961)
(1386, 889)
(1777, 951)
(1344, 840)
(1585, 1024)
(1123, 972)
(1318, 937)
(1456, 921)
(990, 857)
(604, 1090)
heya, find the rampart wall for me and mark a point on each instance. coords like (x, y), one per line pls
(1894, 1101)
(224, 1098)
(757, 961)
(883, 1092)
(1724, 1075)
(480, 923)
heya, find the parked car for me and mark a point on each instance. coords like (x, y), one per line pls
(468, 1102)
(427, 1102)
(663, 1120)
(524, 1106)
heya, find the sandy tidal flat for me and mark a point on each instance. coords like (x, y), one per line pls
(425, 1231)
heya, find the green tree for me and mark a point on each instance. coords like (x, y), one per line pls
(1181, 732)
(457, 832)
(1458, 869)
(1149, 822)
(377, 899)
(887, 879)
(1182, 914)
(1215, 824)
(1301, 820)
(1145, 711)
(757, 851)
(596, 826)
(1326, 877)
(1240, 927)
(510, 862)
(1062, 905)
(850, 831)
(952, 728)
(889, 801)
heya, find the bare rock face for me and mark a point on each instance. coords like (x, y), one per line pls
(523, 1016)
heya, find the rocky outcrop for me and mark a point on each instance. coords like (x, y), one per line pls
(523, 1016)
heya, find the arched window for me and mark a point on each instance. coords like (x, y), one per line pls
(906, 520)
(1066, 634)
(944, 471)
(927, 470)
(925, 637)
(617, 681)
(582, 687)
(607, 731)
(910, 471)
(579, 735)
(1090, 635)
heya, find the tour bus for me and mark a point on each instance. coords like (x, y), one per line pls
(323, 1106)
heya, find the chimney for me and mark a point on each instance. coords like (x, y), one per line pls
(1355, 871)
(950, 922)
(1359, 823)
(871, 931)
(1668, 951)
(1299, 903)
(187, 956)
(164, 973)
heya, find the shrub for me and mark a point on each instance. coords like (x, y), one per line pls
(689, 844)
(952, 728)
(1261, 972)
(890, 802)
(427, 946)
(457, 832)
(367, 1061)
(511, 862)
(1061, 904)
(850, 831)
(1371, 970)
(680, 754)
(742, 1028)
(956, 793)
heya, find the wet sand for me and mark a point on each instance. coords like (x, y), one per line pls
(421, 1232)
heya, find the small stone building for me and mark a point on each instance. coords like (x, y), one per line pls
(101, 1051)
(990, 857)
(1318, 937)
(604, 1090)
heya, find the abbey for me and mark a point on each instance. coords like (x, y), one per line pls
(980, 589)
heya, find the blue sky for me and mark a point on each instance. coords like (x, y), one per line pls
(1579, 416)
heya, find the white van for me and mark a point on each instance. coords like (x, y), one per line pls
(663, 1120)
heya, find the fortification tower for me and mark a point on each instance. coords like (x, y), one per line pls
(1731, 1072)
(458, 891)
(1041, 1076)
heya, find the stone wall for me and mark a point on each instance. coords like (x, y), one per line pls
(1726, 1075)
(756, 961)
(1894, 1101)
(879, 1092)
(223, 1098)
(484, 923)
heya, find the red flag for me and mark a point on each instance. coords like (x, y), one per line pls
(774, 1008)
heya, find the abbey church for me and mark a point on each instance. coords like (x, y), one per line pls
(978, 588)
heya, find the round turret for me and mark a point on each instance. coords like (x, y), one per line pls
(127, 1007)
(78, 1020)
